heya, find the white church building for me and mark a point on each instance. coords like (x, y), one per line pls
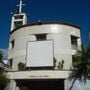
(46, 50)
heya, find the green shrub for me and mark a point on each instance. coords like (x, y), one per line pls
(3, 81)
(21, 66)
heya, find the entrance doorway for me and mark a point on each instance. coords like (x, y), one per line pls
(55, 84)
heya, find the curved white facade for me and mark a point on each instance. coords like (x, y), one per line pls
(59, 33)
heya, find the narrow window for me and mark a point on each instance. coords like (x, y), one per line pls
(74, 42)
(41, 37)
(12, 44)
(10, 62)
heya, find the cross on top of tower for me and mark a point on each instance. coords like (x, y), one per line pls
(20, 6)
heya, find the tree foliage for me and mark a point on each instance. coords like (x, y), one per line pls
(61, 64)
(81, 65)
(3, 81)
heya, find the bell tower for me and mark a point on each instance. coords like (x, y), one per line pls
(18, 18)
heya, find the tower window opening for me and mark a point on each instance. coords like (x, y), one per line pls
(41, 37)
(18, 24)
(19, 17)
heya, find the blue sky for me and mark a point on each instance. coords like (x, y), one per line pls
(72, 11)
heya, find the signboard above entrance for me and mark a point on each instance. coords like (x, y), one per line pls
(40, 54)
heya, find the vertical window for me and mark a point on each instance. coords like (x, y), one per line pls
(74, 42)
(10, 62)
(41, 37)
(12, 44)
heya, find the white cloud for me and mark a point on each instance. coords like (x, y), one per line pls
(5, 61)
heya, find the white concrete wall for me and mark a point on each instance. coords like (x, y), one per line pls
(62, 48)
(61, 34)
(46, 74)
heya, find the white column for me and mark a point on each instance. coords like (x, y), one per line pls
(79, 43)
(17, 88)
(20, 6)
(65, 84)
(12, 85)
(12, 23)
